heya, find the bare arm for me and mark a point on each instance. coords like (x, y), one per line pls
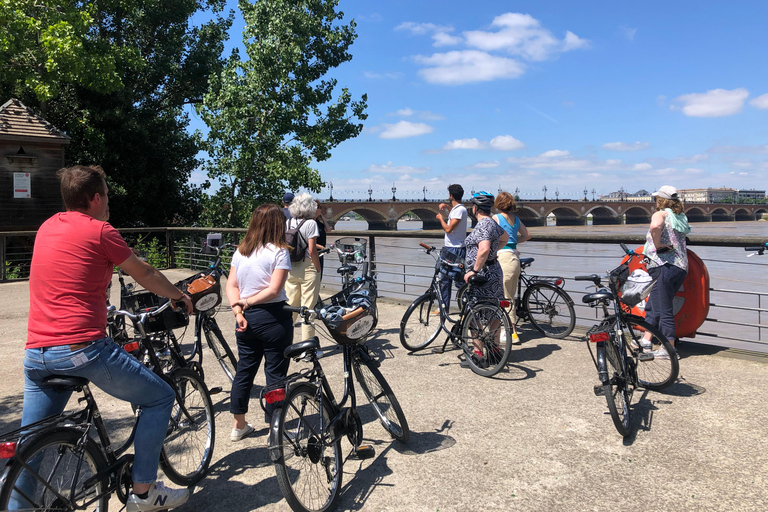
(151, 279)
(313, 255)
(657, 221)
(523, 235)
(449, 226)
(233, 296)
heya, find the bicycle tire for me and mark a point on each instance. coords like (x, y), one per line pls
(52, 450)
(309, 479)
(616, 391)
(549, 309)
(381, 397)
(495, 340)
(188, 448)
(220, 348)
(658, 373)
(419, 326)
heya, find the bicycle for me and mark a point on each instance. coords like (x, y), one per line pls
(481, 325)
(306, 431)
(624, 360)
(351, 251)
(67, 461)
(756, 251)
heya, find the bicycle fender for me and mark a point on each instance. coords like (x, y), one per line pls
(602, 367)
(273, 447)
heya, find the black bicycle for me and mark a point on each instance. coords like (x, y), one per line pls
(623, 358)
(756, 251)
(544, 303)
(67, 462)
(481, 329)
(306, 431)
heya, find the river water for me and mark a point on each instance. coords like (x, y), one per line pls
(729, 269)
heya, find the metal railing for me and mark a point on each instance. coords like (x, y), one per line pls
(735, 318)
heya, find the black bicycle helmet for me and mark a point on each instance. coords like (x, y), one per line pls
(483, 200)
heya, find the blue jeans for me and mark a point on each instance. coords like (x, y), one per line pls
(659, 311)
(114, 371)
(456, 276)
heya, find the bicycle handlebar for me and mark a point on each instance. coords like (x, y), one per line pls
(593, 277)
(753, 249)
(141, 317)
(429, 248)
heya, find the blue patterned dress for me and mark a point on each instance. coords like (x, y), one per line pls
(486, 229)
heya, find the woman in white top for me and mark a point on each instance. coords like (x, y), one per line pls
(255, 288)
(303, 286)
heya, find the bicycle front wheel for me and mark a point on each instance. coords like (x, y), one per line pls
(550, 310)
(220, 348)
(376, 389)
(421, 323)
(188, 446)
(661, 371)
(617, 391)
(486, 338)
(64, 463)
(309, 464)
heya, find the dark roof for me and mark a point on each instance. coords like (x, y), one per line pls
(17, 121)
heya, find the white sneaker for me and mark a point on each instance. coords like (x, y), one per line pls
(503, 337)
(660, 354)
(239, 433)
(160, 498)
(646, 344)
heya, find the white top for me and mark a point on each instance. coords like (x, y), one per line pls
(308, 229)
(254, 272)
(456, 237)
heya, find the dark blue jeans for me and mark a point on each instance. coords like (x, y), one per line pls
(451, 277)
(659, 311)
(269, 332)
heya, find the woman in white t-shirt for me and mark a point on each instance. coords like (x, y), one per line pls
(255, 288)
(303, 286)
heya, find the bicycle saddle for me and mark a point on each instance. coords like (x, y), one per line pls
(526, 262)
(61, 381)
(598, 295)
(477, 279)
(299, 348)
(346, 269)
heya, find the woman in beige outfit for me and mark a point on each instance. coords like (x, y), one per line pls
(303, 285)
(509, 256)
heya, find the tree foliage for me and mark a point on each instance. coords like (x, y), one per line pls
(117, 76)
(272, 113)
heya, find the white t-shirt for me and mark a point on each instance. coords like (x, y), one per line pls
(456, 237)
(254, 272)
(308, 229)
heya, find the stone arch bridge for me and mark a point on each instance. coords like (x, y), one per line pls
(383, 215)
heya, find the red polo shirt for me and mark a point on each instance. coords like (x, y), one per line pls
(72, 264)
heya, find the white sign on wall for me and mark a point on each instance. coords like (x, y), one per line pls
(21, 185)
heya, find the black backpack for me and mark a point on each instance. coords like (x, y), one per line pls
(297, 245)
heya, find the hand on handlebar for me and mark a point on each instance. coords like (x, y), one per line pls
(187, 301)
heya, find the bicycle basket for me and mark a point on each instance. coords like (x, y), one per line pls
(136, 303)
(203, 289)
(450, 257)
(351, 249)
(349, 315)
(635, 287)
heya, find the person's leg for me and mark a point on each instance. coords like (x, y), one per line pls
(672, 278)
(277, 335)
(250, 353)
(510, 266)
(293, 286)
(309, 295)
(654, 302)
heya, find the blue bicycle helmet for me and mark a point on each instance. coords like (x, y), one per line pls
(483, 200)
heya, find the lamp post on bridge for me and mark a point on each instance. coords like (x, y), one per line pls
(517, 193)
(394, 189)
(425, 193)
(499, 191)
(330, 185)
(622, 194)
(557, 194)
(544, 188)
(593, 194)
(473, 191)
(585, 194)
(370, 193)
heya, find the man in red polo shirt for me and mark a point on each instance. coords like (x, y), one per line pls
(72, 262)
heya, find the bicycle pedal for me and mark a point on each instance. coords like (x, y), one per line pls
(599, 390)
(438, 350)
(215, 391)
(364, 451)
(645, 356)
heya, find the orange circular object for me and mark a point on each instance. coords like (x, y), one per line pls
(691, 302)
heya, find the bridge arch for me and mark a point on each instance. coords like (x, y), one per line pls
(696, 214)
(721, 215)
(530, 217)
(566, 216)
(637, 215)
(743, 214)
(603, 215)
(375, 220)
(426, 216)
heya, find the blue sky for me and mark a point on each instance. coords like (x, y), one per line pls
(568, 95)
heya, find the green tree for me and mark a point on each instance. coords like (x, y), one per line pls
(270, 115)
(135, 126)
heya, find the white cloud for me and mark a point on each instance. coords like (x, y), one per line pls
(574, 42)
(757, 150)
(623, 146)
(760, 102)
(484, 165)
(642, 167)
(555, 153)
(461, 67)
(627, 32)
(405, 112)
(464, 144)
(445, 39)
(421, 114)
(714, 103)
(420, 29)
(403, 129)
(506, 143)
(390, 168)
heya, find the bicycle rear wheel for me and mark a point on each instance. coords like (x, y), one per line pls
(376, 389)
(420, 326)
(57, 458)
(550, 309)
(220, 348)
(616, 391)
(486, 328)
(188, 446)
(660, 372)
(308, 466)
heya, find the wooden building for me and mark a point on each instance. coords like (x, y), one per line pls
(31, 151)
